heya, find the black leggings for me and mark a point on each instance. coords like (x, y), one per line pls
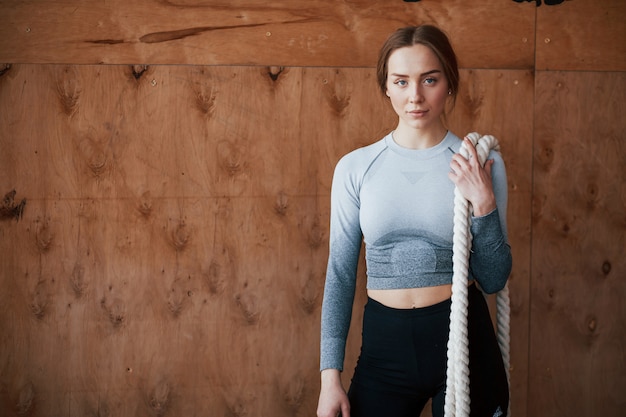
(403, 361)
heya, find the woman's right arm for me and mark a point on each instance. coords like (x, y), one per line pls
(345, 240)
(333, 399)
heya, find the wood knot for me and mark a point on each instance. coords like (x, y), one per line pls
(95, 155)
(9, 209)
(159, 398)
(103, 409)
(4, 68)
(214, 278)
(309, 295)
(316, 235)
(230, 158)
(40, 300)
(145, 204)
(44, 237)
(115, 310)
(294, 392)
(337, 93)
(592, 195)
(206, 102)
(592, 324)
(77, 280)
(177, 297)
(274, 72)
(339, 104)
(545, 156)
(474, 100)
(138, 70)
(25, 399)
(179, 236)
(281, 203)
(606, 267)
(97, 163)
(237, 408)
(69, 90)
(248, 305)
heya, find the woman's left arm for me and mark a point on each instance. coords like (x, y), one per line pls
(490, 260)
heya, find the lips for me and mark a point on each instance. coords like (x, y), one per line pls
(417, 113)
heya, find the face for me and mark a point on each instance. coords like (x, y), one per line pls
(417, 86)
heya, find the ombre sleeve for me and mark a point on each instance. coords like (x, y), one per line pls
(344, 248)
(490, 259)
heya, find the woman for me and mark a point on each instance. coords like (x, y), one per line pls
(397, 195)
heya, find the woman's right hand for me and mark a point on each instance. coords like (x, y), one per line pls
(333, 400)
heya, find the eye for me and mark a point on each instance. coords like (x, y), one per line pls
(430, 81)
(401, 83)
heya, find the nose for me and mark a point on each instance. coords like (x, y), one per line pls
(416, 95)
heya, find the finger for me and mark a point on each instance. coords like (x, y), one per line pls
(488, 166)
(471, 150)
(455, 167)
(462, 161)
(456, 161)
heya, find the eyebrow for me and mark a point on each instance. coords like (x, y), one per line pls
(435, 71)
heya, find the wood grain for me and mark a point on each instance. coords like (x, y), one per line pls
(582, 35)
(163, 228)
(493, 34)
(173, 246)
(579, 241)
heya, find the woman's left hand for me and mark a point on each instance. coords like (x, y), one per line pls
(473, 180)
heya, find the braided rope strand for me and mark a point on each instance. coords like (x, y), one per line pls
(503, 320)
(457, 399)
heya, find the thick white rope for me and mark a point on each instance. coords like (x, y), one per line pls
(457, 402)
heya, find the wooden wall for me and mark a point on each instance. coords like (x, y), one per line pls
(164, 248)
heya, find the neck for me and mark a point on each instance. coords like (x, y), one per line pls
(411, 138)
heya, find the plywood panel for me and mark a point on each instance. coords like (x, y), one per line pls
(288, 33)
(129, 145)
(579, 240)
(173, 246)
(582, 35)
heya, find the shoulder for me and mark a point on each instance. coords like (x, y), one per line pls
(358, 160)
(452, 141)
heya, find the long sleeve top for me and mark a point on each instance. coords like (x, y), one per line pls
(400, 202)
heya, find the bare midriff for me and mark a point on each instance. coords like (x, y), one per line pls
(406, 298)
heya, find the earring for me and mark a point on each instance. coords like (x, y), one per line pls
(449, 92)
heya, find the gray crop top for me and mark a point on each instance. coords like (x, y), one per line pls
(400, 202)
